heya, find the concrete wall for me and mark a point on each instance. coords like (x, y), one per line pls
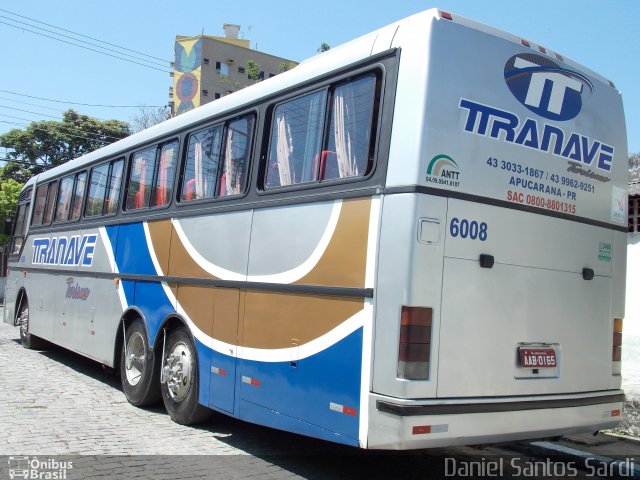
(632, 308)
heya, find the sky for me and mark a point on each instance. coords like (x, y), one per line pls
(602, 35)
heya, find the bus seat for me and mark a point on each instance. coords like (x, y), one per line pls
(223, 185)
(140, 197)
(189, 190)
(329, 165)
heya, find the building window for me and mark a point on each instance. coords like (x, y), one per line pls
(222, 68)
(271, 75)
(634, 205)
(205, 61)
(261, 75)
(240, 69)
(205, 93)
(216, 96)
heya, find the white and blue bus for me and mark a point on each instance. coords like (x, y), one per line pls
(415, 239)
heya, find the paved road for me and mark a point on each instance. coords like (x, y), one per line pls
(54, 402)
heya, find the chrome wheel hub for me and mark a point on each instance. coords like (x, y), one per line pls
(135, 360)
(176, 371)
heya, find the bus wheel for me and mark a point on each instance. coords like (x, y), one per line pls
(138, 370)
(179, 380)
(27, 339)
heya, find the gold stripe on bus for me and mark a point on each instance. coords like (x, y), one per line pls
(344, 262)
(274, 320)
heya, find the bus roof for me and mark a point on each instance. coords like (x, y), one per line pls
(340, 56)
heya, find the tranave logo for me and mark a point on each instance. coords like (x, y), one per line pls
(544, 87)
(443, 170)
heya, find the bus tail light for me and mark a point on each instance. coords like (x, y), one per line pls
(415, 343)
(616, 353)
(617, 340)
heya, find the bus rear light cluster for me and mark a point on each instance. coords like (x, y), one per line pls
(617, 340)
(415, 343)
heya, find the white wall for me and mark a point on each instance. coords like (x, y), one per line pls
(632, 308)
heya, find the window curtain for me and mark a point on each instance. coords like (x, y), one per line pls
(230, 173)
(345, 131)
(284, 150)
(198, 167)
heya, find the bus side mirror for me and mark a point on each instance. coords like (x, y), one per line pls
(8, 226)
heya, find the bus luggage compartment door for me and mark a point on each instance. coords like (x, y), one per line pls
(533, 296)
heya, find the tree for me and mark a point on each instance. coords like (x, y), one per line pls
(9, 193)
(634, 168)
(286, 66)
(253, 70)
(46, 144)
(148, 117)
(324, 47)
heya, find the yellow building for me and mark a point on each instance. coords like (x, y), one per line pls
(208, 67)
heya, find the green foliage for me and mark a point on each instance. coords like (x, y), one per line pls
(9, 193)
(634, 161)
(286, 66)
(323, 47)
(253, 70)
(46, 144)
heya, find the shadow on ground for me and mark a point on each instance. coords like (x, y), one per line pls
(303, 456)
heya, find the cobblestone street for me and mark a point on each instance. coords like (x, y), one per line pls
(54, 402)
(57, 406)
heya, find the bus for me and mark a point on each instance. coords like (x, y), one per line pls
(416, 239)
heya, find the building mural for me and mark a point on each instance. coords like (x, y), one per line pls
(187, 74)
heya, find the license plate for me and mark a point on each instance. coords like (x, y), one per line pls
(538, 358)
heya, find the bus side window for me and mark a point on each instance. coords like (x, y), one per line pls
(64, 199)
(39, 206)
(296, 134)
(201, 164)
(78, 196)
(97, 189)
(237, 143)
(51, 202)
(349, 136)
(18, 231)
(140, 178)
(166, 173)
(115, 184)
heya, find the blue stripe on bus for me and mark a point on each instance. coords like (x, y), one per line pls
(305, 392)
(132, 256)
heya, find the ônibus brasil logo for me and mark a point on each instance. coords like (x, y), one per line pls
(544, 87)
(443, 170)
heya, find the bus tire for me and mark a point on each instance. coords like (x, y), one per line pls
(139, 371)
(180, 379)
(27, 339)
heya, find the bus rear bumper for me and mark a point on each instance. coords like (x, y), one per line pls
(408, 424)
